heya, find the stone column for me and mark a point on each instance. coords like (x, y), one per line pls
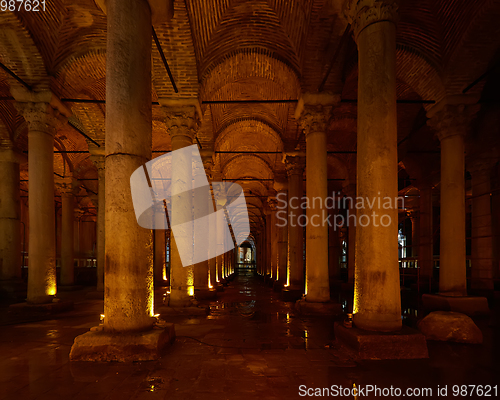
(450, 121)
(295, 171)
(128, 296)
(482, 234)
(350, 203)
(66, 187)
(42, 120)
(272, 202)
(159, 256)
(10, 212)
(280, 185)
(98, 157)
(182, 119)
(334, 248)
(415, 231)
(313, 113)
(377, 301)
(426, 253)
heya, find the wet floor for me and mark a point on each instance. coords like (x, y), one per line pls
(251, 345)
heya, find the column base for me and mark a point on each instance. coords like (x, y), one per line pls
(98, 345)
(205, 294)
(471, 306)
(290, 294)
(404, 344)
(450, 326)
(29, 309)
(304, 307)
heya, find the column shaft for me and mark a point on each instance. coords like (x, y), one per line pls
(377, 302)
(128, 296)
(425, 254)
(482, 240)
(295, 231)
(67, 239)
(10, 214)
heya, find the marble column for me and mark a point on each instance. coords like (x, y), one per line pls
(350, 202)
(128, 292)
(272, 202)
(295, 172)
(281, 187)
(451, 121)
(98, 157)
(182, 121)
(482, 233)
(10, 212)
(42, 118)
(159, 256)
(426, 252)
(313, 112)
(414, 216)
(66, 187)
(377, 300)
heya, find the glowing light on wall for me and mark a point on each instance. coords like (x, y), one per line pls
(164, 272)
(191, 290)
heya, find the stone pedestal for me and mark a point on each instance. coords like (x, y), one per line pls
(99, 345)
(377, 302)
(406, 343)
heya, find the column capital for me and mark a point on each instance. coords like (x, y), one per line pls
(412, 214)
(10, 153)
(67, 185)
(182, 116)
(362, 13)
(272, 204)
(43, 111)
(314, 110)
(452, 116)
(294, 165)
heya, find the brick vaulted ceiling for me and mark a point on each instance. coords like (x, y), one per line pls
(245, 50)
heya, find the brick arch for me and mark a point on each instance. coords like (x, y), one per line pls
(475, 49)
(247, 166)
(414, 69)
(78, 73)
(245, 64)
(19, 51)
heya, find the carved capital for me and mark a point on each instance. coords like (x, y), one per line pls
(272, 204)
(295, 165)
(362, 13)
(452, 119)
(481, 165)
(67, 186)
(41, 117)
(314, 119)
